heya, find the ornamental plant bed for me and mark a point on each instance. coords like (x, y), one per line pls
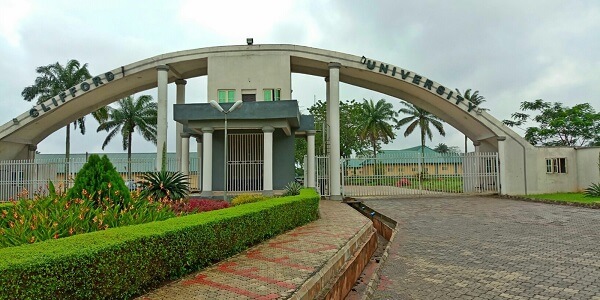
(120, 263)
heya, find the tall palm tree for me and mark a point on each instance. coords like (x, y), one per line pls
(474, 98)
(421, 118)
(56, 78)
(130, 114)
(374, 124)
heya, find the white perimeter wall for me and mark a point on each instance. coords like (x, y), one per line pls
(587, 166)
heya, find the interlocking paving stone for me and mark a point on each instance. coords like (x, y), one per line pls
(275, 268)
(490, 248)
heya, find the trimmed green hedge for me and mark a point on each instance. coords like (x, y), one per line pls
(120, 263)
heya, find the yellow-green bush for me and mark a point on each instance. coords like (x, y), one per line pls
(247, 198)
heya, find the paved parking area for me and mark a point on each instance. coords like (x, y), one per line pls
(490, 248)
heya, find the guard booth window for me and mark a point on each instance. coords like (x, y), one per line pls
(556, 165)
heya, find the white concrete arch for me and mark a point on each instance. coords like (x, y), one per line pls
(18, 136)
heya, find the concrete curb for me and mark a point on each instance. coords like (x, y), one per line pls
(311, 288)
(576, 204)
(374, 282)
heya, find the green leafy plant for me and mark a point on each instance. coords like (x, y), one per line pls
(56, 215)
(99, 181)
(293, 188)
(593, 190)
(165, 185)
(247, 198)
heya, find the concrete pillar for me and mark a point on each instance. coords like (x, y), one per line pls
(476, 144)
(327, 141)
(335, 188)
(162, 108)
(268, 160)
(31, 151)
(200, 159)
(180, 99)
(502, 159)
(185, 154)
(310, 157)
(207, 144)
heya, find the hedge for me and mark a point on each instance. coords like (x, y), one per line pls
(120, 263)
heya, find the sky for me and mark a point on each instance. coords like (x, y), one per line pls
(508, 50)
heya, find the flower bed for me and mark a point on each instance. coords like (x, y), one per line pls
(123, 262)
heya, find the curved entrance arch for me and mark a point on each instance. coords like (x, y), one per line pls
(19, 136)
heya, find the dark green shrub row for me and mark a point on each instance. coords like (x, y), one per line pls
(120, 263)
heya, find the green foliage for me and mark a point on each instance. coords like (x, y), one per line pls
(350, 116)
(374, 125)
(165, 185)
(558, 125)
(121, 263)
(130, 115)
(99, 181)
(593, 190)
(57, 215)
(292, 189)
(247, 198)
(56, 78)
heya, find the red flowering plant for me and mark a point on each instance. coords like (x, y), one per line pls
(196, 205)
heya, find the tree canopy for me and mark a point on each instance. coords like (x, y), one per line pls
(56, 78)
(374, 125)
(557, 124)
(350, 117)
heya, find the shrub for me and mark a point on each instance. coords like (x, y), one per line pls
(247, 198)
(593, 190)
(292, 189)
(56, 216)
(165, 185)
(99, 181)
(120, 263)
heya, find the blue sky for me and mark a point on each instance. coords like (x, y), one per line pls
(510, 51)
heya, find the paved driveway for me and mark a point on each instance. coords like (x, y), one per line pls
(489, 248)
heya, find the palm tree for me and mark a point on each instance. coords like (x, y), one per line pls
(474, 98)
(141, 113)
(422, 118)
(54, 79)
(374, 124)
(441, 148)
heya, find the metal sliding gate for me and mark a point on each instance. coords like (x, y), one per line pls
(245, 162)
(414, 174)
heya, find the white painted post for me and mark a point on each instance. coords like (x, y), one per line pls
(268, 160)
(180, 99)
(334, 131)
(161, 122)
(200, 159)
(185, 153)
(207, 141)
(310, 156)
(502, 162)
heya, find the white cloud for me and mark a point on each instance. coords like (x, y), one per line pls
(14, 11)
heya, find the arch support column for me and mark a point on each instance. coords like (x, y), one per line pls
(185, 153)
(161, 121)
(335, 189)
(180, 99)
(207, 144)
(502, 163)
(199, 160)
(310, 157)
(268, 160)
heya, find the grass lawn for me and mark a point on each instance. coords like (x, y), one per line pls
(566, 197)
